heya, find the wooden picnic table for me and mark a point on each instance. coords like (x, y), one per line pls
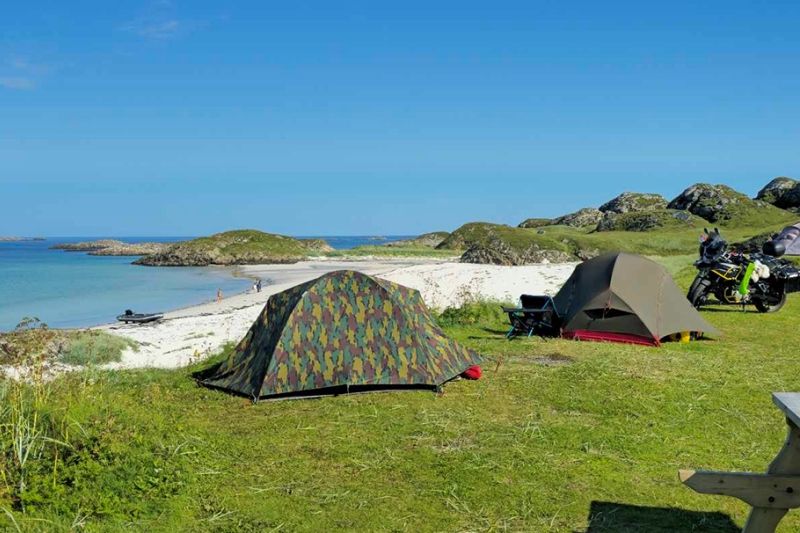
(771, 494)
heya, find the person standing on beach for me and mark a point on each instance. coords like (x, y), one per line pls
(219, 295)
(258, 285)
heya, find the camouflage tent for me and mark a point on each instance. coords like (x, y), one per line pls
(342, 332)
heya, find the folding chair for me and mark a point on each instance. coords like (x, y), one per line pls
(537, 315)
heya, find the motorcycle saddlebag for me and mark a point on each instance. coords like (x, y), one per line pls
(791, 277)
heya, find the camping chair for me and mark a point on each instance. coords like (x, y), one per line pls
(537, 315)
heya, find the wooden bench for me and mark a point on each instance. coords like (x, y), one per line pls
(772, 494)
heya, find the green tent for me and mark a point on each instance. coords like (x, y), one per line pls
(625, 298)
(342, 332)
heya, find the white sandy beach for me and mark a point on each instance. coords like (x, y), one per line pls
(193, 333)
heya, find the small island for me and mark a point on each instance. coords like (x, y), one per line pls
(114, 247)
(20, 239)
(238, 247)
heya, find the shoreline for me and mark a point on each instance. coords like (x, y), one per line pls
(193, 333)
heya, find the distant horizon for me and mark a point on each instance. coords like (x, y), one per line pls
(608, 197)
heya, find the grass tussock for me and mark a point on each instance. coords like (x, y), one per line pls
(86, 348)
(472, 313)
(33, 345)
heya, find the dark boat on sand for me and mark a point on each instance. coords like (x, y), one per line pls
(139, 318)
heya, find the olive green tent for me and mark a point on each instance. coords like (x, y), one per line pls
(626, 298)
(342, 332)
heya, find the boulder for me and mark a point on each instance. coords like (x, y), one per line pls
(629, 202)
(588, 216)
(535, 223)
(776, 191)
(715, 203)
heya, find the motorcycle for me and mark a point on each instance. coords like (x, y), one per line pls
(734, 278)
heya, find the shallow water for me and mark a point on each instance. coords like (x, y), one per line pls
(73, 289)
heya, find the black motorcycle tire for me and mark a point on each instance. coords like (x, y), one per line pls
(698, 292)
(764, 307)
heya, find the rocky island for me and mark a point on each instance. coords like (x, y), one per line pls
(21, 239)
(114, 247)
(238, 247)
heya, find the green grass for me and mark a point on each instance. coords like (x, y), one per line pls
(676, 239)
(557, 436)
(90, 347)
(238, 247)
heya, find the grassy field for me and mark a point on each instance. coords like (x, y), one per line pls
(557, 436)
(667, 241)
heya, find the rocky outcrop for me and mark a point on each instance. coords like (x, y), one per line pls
(125, 249)
(647, 220)
(716, 203)
(317, 246)
(88, 246)
(426, 240)
(535, 223)
(781, 192)
(588, 216)
(499, 244)
(498, 252)
(239, 247)
(114, 247)
(629, 202)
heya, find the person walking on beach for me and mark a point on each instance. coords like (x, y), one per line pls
(219, 295)
(258, 285)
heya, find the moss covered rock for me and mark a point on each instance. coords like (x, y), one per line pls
(426, 240)
(647, 220)
(535, 223)
(504, 245)
(724, 205)
(499, 252)
(630, 202)
(588, 216)
(781, 192)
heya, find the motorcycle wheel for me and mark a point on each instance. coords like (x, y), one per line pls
(698, 293)
(764, 307)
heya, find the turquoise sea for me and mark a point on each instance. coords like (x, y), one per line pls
(73, 289)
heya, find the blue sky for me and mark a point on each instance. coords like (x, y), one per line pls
(184, 118)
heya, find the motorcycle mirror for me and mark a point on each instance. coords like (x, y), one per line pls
(705, 230)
